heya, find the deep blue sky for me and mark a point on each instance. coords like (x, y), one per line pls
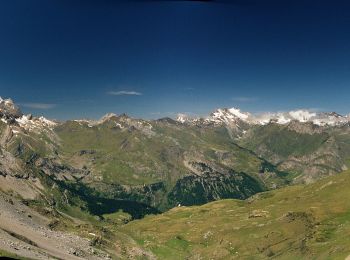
(65, 59)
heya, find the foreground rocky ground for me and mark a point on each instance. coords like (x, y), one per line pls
(26, 233)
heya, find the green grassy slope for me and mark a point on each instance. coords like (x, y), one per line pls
(297, 222)
(152, 157)
(130, 157)
(281, 140)
(308, 151)
(133, 165)
(6, 255)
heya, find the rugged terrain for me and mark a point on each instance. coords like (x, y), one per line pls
(83, 180)
(26, 232)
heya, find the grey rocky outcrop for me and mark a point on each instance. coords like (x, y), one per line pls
(9, 109)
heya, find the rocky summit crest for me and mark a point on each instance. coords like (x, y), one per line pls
(9, 109)
(236, 116)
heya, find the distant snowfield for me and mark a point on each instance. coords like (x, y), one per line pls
(222, 115)
(230, 115)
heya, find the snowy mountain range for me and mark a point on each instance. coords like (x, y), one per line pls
(10, 112)
(235, 115)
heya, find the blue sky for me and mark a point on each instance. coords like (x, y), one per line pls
(81, 59)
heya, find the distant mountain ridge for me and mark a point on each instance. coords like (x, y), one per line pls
(231, 115)
(123, 156)
(10, 111)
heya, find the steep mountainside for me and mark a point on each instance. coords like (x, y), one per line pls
(307, 150)
(163, 163)
(307, 144)
(153, 161)
(89, 177)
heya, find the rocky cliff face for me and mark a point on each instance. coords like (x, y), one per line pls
(9, 110)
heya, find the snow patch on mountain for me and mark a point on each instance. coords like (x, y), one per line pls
(238, 113)
(302, 115)
(236, 116)
(30, 123)
(8, 109)
(103, 119)
(228, 116)
(182, 118)
(12, 115)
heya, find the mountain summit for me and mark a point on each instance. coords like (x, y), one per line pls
(235, 115)
(9, 109)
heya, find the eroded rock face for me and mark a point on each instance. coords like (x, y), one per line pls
(8, 109)
(304, 128)
(59, 171)
(9, 165)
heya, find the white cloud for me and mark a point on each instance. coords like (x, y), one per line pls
(38, 105)
(124, 92)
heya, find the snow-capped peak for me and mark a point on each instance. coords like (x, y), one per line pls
(182, 118)
(9, 109)
(108, 116)
(102, 120)
(237, 112)
(235, 115)
(228, 115)
(47, 122)
(30, 123)
(302, 115)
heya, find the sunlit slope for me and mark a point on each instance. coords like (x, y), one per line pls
(155, 162)
(117, 151)
(297, 222)
(309, 151)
